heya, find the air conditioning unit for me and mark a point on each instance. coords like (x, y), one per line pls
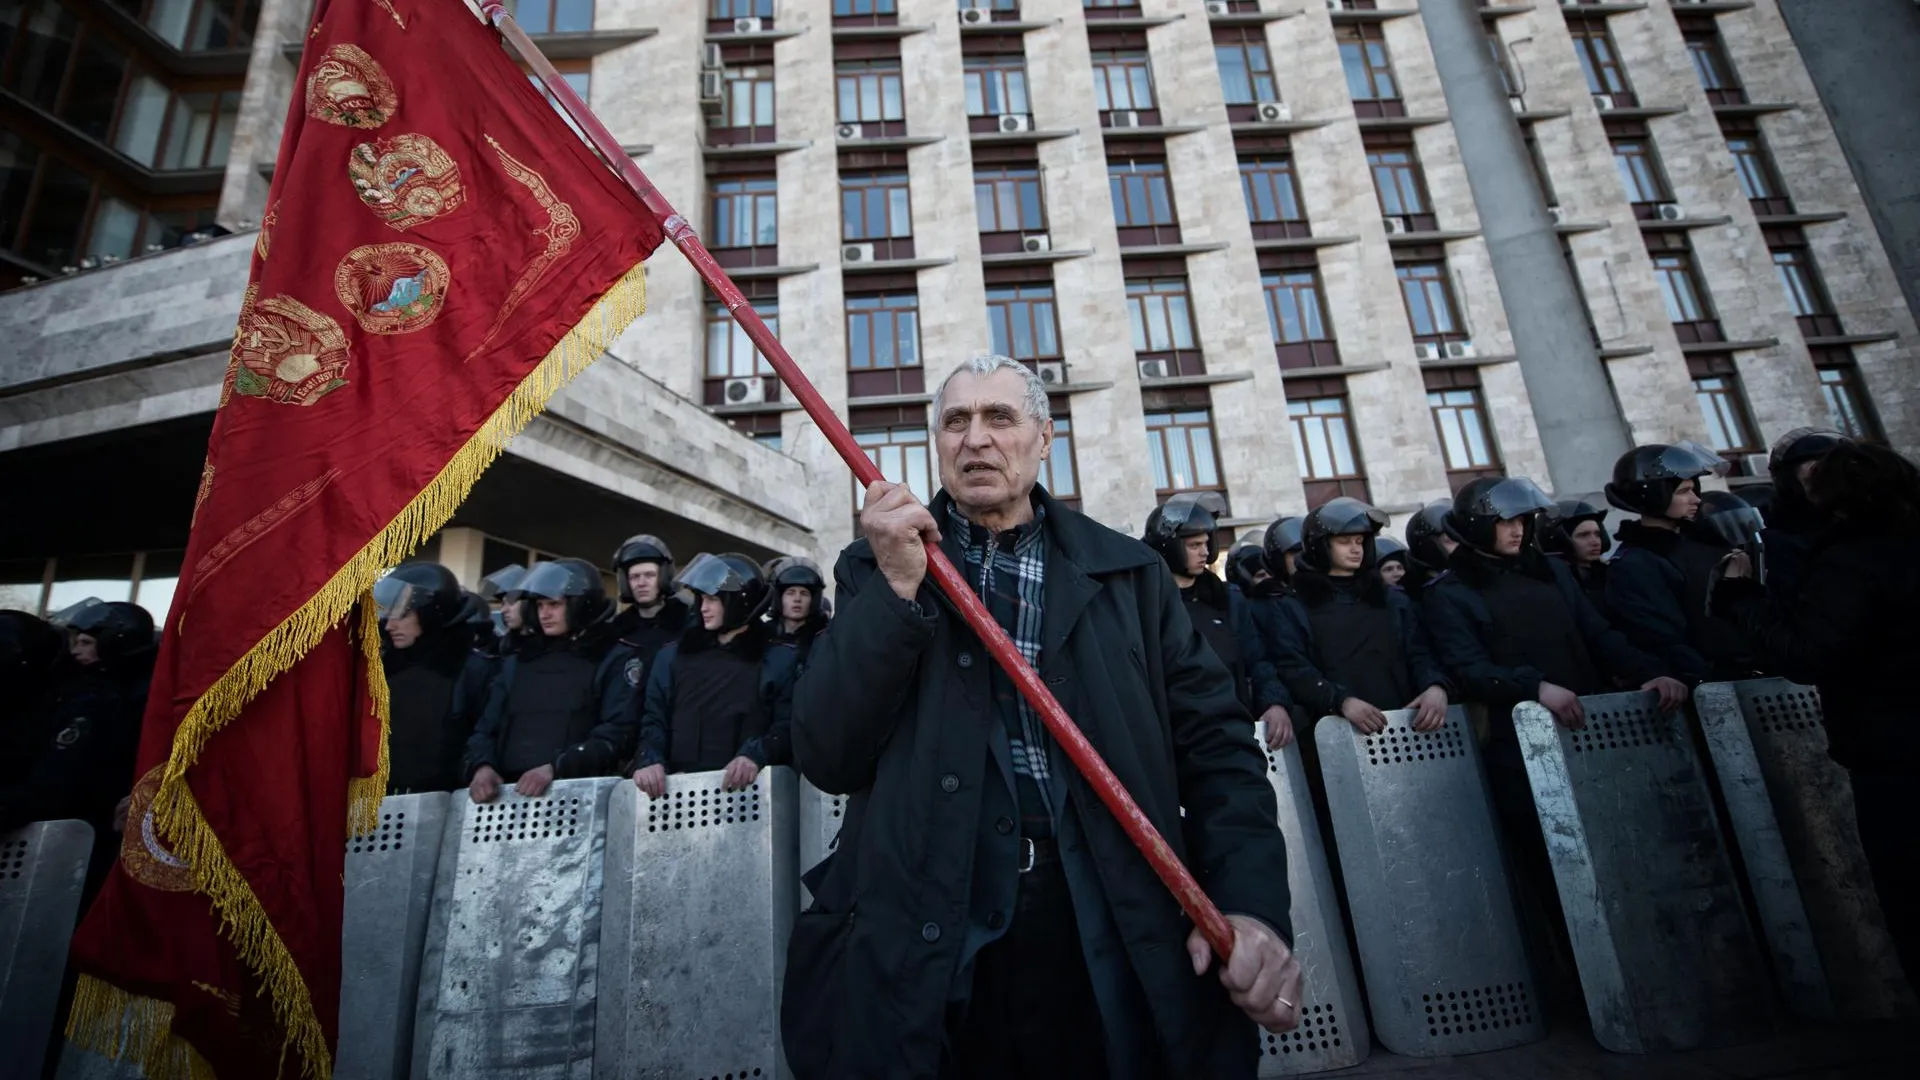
(848, 132)
(1218, 7)
(1667, 211)
(973, 16)
(712, 84)
(1461, 350)
(1012, 122)
(1518, 103)
(1429, 350)
(1603, 102)
(1337, 5)
(1756, 465)
(1273, 112)
(1033, 243)
(749, 25)
(710, 57)
(1153, 369)
(743, 391)
(1558, 215)
(856, 253)
(1123, 118)
(1398, 226)
(1052, 372)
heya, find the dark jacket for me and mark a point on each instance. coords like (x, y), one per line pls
(1848, 629)
(896, 710)
(437, 690)
(85, 736)
(1592, 579)
(801, 639)
(1474, 650)
(1261, 625)
(1657, 592)
(645, 635)
(1220, 614)
(651, 724)
(1305, 670)
(616, 675)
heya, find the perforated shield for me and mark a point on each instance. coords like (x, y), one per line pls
(1432, 906)
(390, 876)
(701, 893)
(1333, 1023)
(43, 869)
(1665, 954)
(1791, 809)
(508, 981)
(821, 816)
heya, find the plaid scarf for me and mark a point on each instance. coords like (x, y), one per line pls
(1008, 570)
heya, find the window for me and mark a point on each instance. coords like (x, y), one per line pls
(875, 206)
(1847, 408)
(1802, 282)
(1141, 196)
(1639, 170)
(1122, 81)
(167, 130)
(1020, 319)
(746, 98)
(745, 214)
(1363, 55)
(1460, 418)
(1246, 71)
(845, 8)
(1680, 288)
(1180, 447)
(1160, 315)
(579, 80)
(1272, 193)
(1758, 179)
(903, 455)
(1110, 9)
(1599, 60)
(996, 85)
(1323, 438)
(1429, 297)
(555, 16)
(883, 331)
(1724, 408)
(1057, 473)
(1714, 70)
(740, 9)
(1008, 200)
(202, 25)
(730, 354)
(869, 91)
(1398, 182)
(1294, 310)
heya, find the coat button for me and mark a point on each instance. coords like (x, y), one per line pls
(1004, 826)
(930, 932)
(949, 783)
(996, 920)
(966, 659)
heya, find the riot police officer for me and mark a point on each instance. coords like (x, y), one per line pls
(557, 690)
(722, 696)
(1576, 530)
(436, 684)
(1392, 557)
(1794, 523)
(799, 602)
(1279, 548)
(1428, 547)
(654, 617)
(1247, 570)
(1181, 532)
(510, 630)
(1657, 585)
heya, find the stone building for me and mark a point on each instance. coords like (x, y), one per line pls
(1282, 249)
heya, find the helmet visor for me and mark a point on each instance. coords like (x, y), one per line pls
(1286, 534)
(1515, 496)
(795, 570)
(394, 597)
(501, 582)
(1344, 515)
(83, 616)
(1190, 513)
(1689, 461)
(642, 548)
(552, 581)
(711, 575)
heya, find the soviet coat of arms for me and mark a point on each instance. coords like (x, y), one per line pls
(405, 180)
(287, 352)
(392, 288)
(349, 88)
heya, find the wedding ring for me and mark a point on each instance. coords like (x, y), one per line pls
(1279, 1000)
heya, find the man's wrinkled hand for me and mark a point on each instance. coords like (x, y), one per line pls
(899, 529)
(1263, 978)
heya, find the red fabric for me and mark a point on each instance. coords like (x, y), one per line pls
(310, 460)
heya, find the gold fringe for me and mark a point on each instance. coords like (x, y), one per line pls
(115, 1024)
(177, 813)
(364, 793)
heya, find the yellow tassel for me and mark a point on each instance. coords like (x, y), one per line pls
(177, 813)
(112, 1023)
(364, 793)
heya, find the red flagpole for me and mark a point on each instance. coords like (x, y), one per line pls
(1165, 863)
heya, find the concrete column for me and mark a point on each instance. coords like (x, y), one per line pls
(263, 110)
(460, 552)
(1580, 427)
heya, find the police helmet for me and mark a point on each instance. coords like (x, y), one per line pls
(119, 629)
(425, 589)
(497, 585)
(575, 581)
(1557, 525)
(1645, 477)
(1424, 530)
(1244, 563)
(733, 578)
(1728, 519)
(790, 571)
(1387, 549)
(1343, 516)
(1492, 499)
(1188, 514)
(1790, 451)
(639, 549)
(1283, 536)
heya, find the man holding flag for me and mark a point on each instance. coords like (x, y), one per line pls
(424, 254)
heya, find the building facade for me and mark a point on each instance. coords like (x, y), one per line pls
(1279, 249)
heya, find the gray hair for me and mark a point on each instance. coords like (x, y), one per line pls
(988, 363)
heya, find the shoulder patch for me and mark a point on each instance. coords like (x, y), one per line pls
(633, 671)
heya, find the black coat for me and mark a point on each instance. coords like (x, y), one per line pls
(616, 679)
(1261, 627)
(895, 709)
(1848, 629)
(1299, 659)
(1657, 595)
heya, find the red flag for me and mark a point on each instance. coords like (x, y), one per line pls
(422, 283)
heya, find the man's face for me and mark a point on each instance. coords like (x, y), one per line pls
(1392, 572)
(404, 630)
(1589, 542)
(1508, 535)
(1196, 552)
(713, 612)
(990, 450)
(643, 580)
(510, 614)
(553, 617)
(1290, 567)
(1347, 552)
(85, 650)
(1685, 505)
(1447, 543)
(796, 602)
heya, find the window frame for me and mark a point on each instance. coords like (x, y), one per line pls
(1601, 64)
(996, 72)
(1260, 84)
(1753, 161)
(1636, 161)
(718, 318)
(762, 193)
(1367, 65)
(1022, 179)
(1729, 408)
(1136, 64)
(1273, 177)
(1034, 303)
(1160, 323)
(899, 436)
(884, 72)
(1144, 210)
(1408, 177)
(1305, 418)
(894, 377)
(1462, 411)
(1854, 417)
(1719, 79)
(1427, 276)
(895, 195)
(1190, 422)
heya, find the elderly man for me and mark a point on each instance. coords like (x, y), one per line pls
(983, 914)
